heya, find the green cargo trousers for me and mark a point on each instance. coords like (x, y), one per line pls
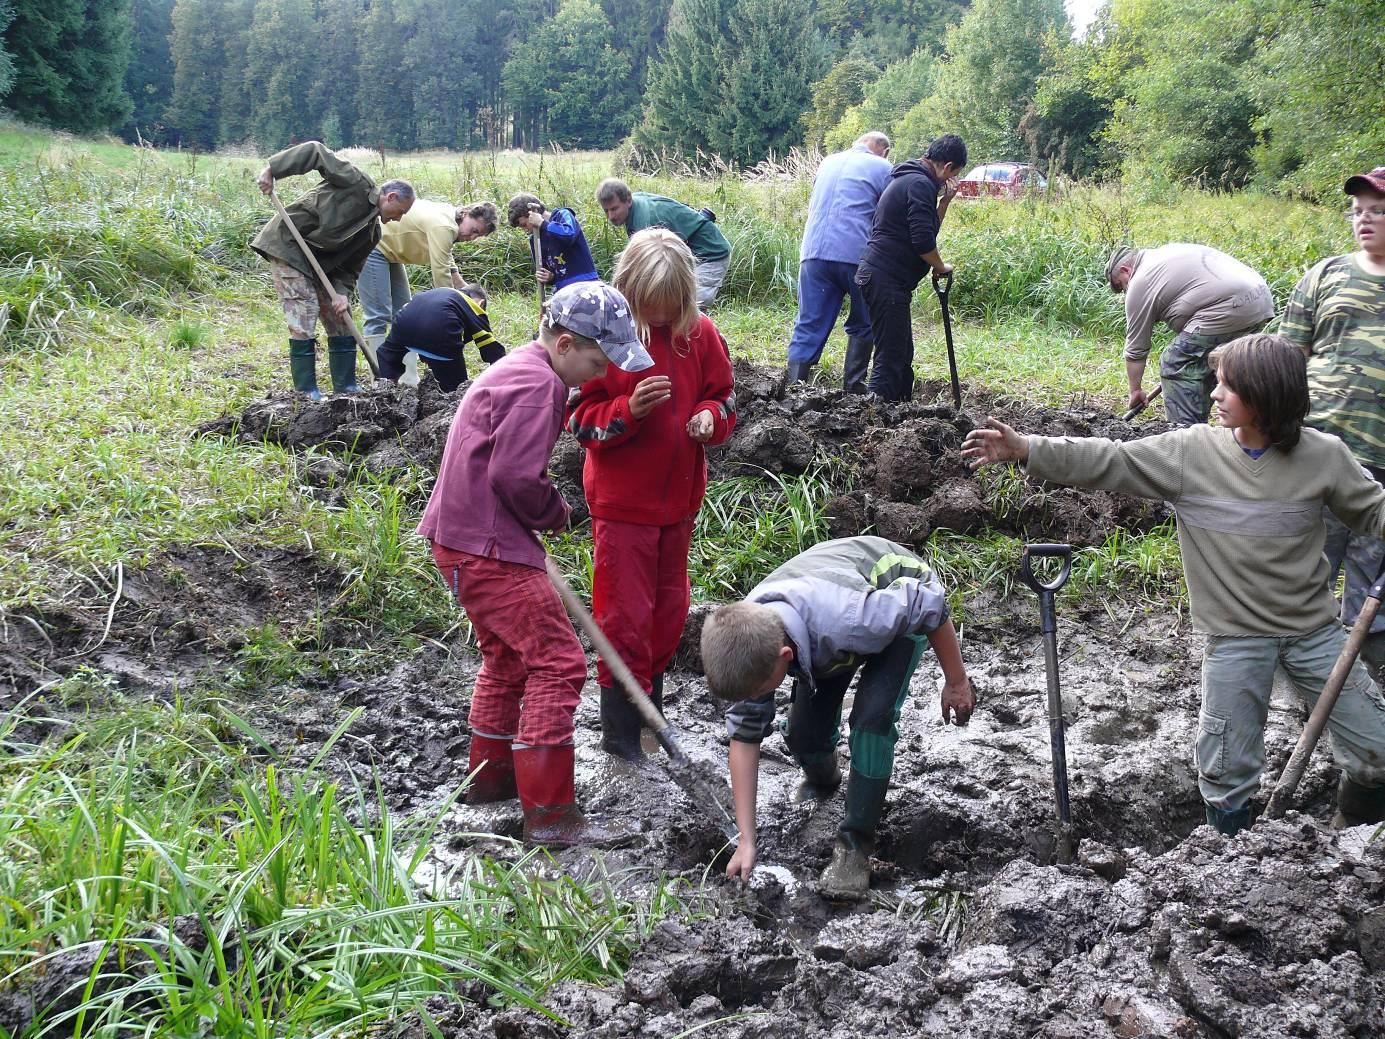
(1237, 675)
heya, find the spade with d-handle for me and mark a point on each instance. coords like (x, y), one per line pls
(942, 285)
(1327, 699)
(1049, 623)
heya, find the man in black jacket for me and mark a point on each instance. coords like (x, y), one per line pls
(903, 247)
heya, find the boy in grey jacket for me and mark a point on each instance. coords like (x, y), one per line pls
(859, 603)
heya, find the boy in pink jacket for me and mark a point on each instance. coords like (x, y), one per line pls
(492, 495)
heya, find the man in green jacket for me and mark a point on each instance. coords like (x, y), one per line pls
(340, 220)
(697, 227)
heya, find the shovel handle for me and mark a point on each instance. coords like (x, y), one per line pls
(536, 252)
(1153, 396)
(649, 714)
(326, 282)
(942, 283)
(1063, 552)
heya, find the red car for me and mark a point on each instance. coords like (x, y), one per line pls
(1002, 180)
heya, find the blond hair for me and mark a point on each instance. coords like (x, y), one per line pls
(740, 647)
(656, 272)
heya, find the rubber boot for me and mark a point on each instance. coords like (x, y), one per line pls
(496, 779)
(620, 725)
(821, 776)
(856, 368)
(341, 358)
(410, 376)
(303, 367)
(544, 776)
(1358, 805)
(847, 876)
(1228, 822)
(798, 371)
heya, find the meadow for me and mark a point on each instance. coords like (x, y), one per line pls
(131, 311)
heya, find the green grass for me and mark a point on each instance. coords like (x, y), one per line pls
(312, 912)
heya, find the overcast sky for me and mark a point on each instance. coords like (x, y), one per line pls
(1081, 12)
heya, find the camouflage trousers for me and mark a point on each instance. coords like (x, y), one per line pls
(305, 303)
(1188, 379)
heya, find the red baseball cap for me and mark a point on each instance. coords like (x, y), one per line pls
(1372, 181)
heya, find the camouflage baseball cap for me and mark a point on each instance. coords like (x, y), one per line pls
(1372, 181)
(598, 311)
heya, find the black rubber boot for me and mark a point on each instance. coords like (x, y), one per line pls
(1358, 805)
(620, 725)
(303, 367)
(821, 776)
(341, 358)
(798, 371)
(1227, 822)
(656, 692)
(856, 368)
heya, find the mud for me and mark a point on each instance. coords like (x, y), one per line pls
(1162, 928)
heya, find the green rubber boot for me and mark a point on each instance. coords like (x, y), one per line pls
(847, 876)
(341, 358)
(303, 367)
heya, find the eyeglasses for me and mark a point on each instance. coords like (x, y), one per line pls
(1374, 213)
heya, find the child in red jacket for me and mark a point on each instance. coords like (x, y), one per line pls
(646, 471)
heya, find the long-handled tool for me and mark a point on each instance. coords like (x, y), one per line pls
(683, 769)
(1049, 624)
(1153, 396)
(536, 251)
(942, 285)
(326, 282)
(1327, 699)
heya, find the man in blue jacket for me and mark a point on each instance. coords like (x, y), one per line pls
(845, 192)
(903, 247)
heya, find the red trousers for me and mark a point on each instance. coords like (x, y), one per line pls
(640, 593)
(532, 666)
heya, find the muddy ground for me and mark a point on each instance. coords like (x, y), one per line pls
(1162, 928)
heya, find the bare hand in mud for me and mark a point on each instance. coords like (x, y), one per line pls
(700, 427)
(742, 863)
(996, 443)
(959, 700)
(649, 394)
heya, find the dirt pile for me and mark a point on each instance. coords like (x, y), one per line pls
(897, 466)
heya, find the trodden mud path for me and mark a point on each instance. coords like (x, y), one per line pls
(1164, 928)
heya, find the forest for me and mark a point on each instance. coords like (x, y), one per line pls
(1280, 93)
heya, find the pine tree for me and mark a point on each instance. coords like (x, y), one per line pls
(384, 97)
(149, 77)
(70, 58)
(231, 45)
(687, 82)
(334, 91)
(282, 63)
(6, 61)
(637, 31)
(193, 113)
(778, 54)
(567, 83)
(445, 74)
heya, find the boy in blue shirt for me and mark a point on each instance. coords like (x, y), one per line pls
(565, 255)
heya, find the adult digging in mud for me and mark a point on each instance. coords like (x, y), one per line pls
(340, 221)
(1249, 495)
(492, 493)
(854, 603)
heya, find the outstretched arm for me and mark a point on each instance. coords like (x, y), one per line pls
(994, 444)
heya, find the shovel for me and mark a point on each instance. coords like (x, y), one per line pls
(536, 251)
(1153, 396)
(683, 769)
(1049, 624)
(326, 283)
(942, 285)
(1322, 710)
